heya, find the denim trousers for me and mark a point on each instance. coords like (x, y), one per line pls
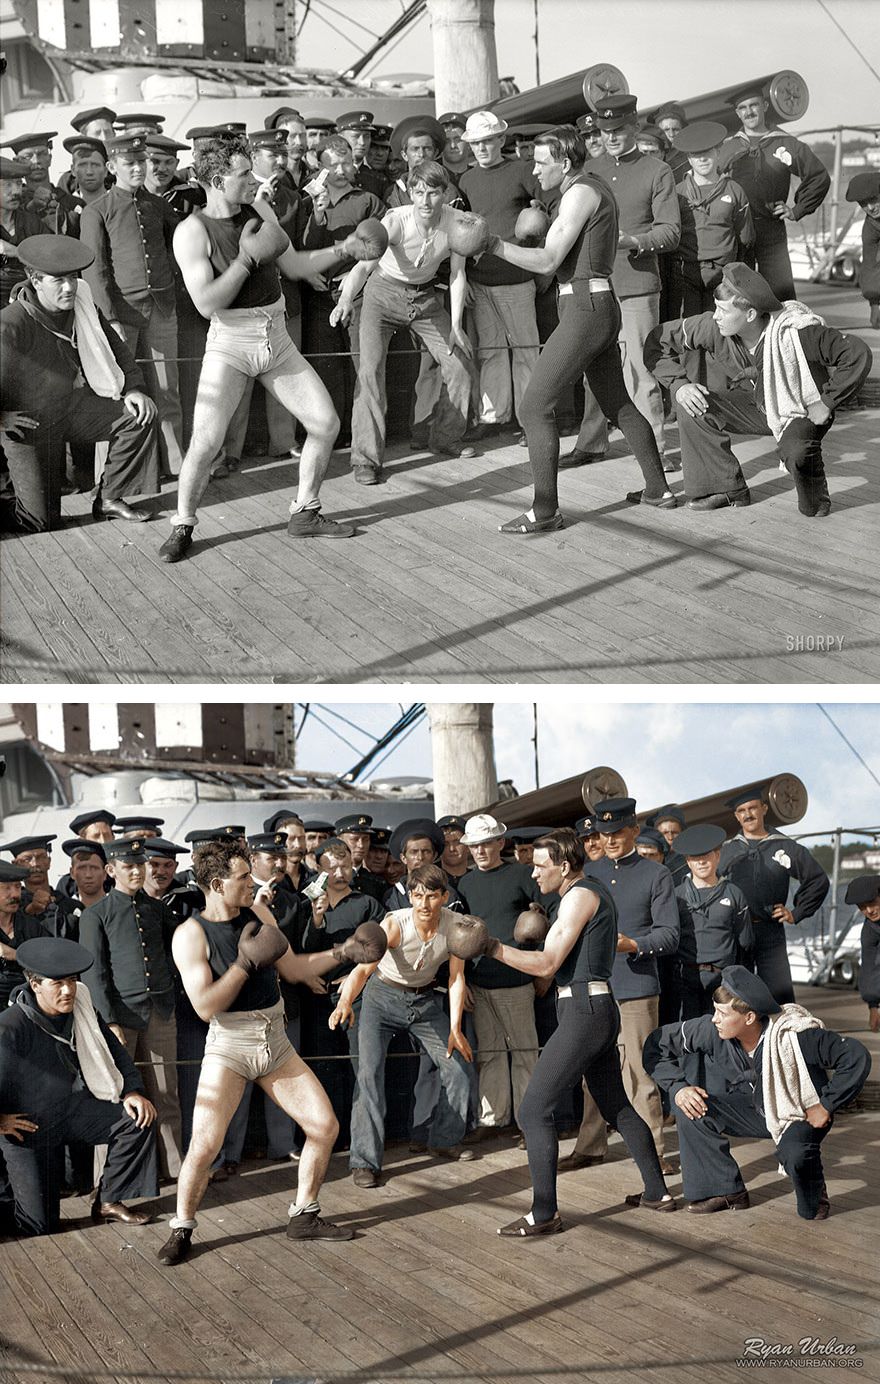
(387, 1010)
(388, 305)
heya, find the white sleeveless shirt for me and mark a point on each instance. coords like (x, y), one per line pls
(415, 963)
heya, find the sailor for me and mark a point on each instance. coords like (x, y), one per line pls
(785, 372)
(355, 832)
(864, 894)
(69, 378)
(39, 899)
(129, 229)
(64, 1076)
(864, 188)
(132, 983)
(763, 161)
(54, 207)
(16, 225)
(716, 221)
(763, 862)
(765, 1069)
(716, 924)
(16, 927)
(356, 128)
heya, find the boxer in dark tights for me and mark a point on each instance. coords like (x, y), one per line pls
(579, 248)
(578, 951)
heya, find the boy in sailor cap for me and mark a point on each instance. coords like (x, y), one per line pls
(786, 373)
(765, 1069)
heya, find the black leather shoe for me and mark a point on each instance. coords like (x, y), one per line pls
(574, 1161)
(737, 1201)
(522, 1229)
(578, 458)
(639, 1199)
(178, 543)
(115, 1211)
(176, 1247)
(117, 509)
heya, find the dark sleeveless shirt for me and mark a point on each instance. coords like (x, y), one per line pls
(263, 284)
(261, 990)
(592, 955)
(594, 249)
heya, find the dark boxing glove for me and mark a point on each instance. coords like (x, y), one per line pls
(259, 946)
(262, 241)
(368, 240)
(368, 943)
(468, 937)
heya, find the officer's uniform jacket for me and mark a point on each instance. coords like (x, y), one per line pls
(131, 234)
(130, 939)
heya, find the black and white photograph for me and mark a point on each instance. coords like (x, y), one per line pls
(439, 710)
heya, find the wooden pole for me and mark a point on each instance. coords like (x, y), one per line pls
(463, 754)
(465, 61)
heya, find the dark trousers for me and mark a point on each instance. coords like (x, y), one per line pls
(769, 255)
(584, 343)
(707, 461)
(709, 1170)
(333, 353)
(769, 959)
(697, 989)
(37, 464)
(36, 1167)
(584, 1045)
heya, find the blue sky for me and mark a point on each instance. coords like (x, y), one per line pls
(664, 751)
(667, 50)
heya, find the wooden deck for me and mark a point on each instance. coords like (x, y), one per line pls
(431, 592)
(427, 1290)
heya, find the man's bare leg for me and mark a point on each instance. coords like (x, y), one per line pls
(300, 390)
(221, 387)
(300, 1095)
(217, 1099)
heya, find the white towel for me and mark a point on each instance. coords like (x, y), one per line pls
(100, 1072)
(99, 365)
(786, 1084)
(789, 387)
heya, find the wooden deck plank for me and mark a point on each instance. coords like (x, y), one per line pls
(430, 591)
(429, 1288)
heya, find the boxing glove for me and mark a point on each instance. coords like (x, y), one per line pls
(468, 937)
(531, 925)
(368, 943)
(469, 234)
(258, 946)
(367, 241)
(532, 225)
(262, 241)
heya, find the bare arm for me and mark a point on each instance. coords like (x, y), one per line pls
(207, 995)
(192, 252)
(576, 910)
(457, 298)
(354, 982)
(578, 204)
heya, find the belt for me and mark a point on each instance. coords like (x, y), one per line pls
(594, 987)
(594, 285)
(399, 985)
